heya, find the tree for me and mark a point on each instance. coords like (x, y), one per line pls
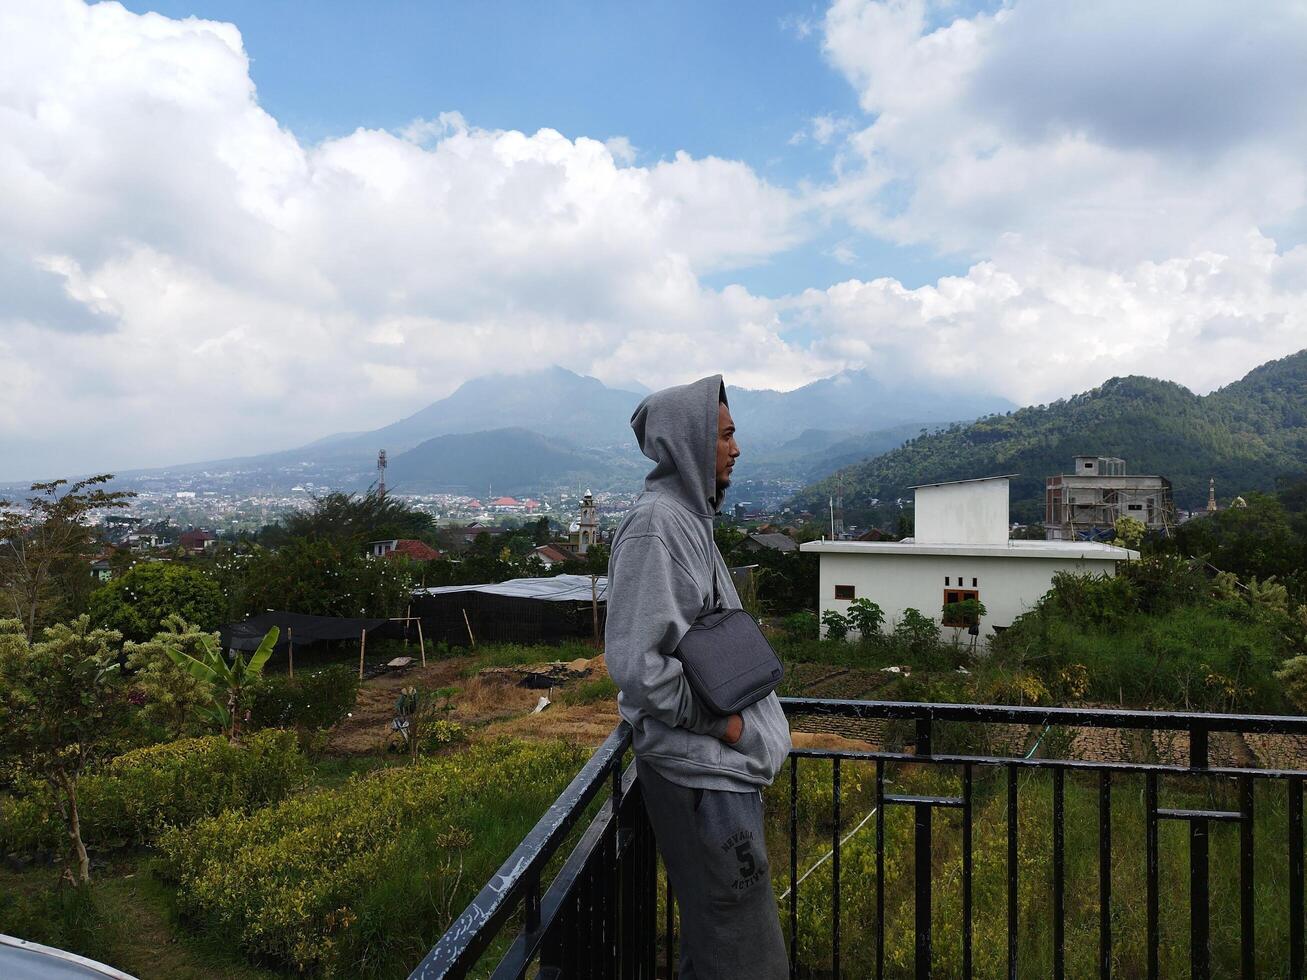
(137, 603)
(44, 550)
(1129, 532)
(866, 617)
(230, 685)
(352, 520)
(174, 699)
(316, 576)
(837, 626)
(63, 706)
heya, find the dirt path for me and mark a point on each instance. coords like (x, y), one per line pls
(491, 703)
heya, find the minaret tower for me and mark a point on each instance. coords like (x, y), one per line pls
(588, 526)
(381, 473)
(1211, 496)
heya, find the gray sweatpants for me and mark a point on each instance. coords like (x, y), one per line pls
(712, 845)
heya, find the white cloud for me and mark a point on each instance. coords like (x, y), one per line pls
(1116, 172)
(1113, 131)
(236, 290)
(1037, 328)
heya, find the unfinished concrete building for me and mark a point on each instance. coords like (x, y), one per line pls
(1085, 503)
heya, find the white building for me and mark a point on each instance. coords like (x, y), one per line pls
(961, 551)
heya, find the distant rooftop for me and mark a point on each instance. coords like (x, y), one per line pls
(977, 479)
(1092, 550)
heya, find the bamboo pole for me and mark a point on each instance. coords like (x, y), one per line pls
(363, 645)
(422, 643)
(467, 622)
(290, 648)
(408, 615)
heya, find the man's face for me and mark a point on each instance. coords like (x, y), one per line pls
(727, 450)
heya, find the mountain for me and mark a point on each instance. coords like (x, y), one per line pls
(1244, 436)
(813, 453)
(855, 401)
(508, 460)
(554, 402)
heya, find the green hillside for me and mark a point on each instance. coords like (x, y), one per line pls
(1244, 436)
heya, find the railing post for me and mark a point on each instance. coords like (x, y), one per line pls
(835, 868)
(1105, 874)
(923, 863)
(1012, 873)
(1295, 877)
(1199, 951)
(1246, 958)
(966, 871)
(1059, 876)
(794, 866)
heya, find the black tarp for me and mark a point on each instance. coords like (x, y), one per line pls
(306, 629)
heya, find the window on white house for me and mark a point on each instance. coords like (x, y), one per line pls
(952, 596)
(844, 592)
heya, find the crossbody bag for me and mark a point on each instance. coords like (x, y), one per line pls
(726, 659)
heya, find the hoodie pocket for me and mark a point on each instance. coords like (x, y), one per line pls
(655, 738)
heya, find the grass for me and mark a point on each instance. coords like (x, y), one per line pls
(127, 920)
(588, 691)
(1034, 877)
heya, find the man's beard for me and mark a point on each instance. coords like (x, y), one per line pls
(721, 487)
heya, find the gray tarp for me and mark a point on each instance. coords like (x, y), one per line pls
(560, 588)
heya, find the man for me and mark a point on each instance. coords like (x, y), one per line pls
(701, 774)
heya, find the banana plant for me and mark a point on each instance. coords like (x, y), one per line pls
(228, 683)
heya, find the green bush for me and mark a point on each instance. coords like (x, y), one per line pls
(361, 879)
(133, 798)
(138, 603)
(837, 625)
(310, 700)
(801, 625)
(866, 617)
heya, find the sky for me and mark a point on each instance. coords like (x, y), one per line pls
(235, 227)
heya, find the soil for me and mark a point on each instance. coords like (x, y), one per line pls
(493, 701)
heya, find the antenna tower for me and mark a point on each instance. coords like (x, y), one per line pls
(381, 473)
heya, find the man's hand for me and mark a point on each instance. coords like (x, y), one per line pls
(734, 729)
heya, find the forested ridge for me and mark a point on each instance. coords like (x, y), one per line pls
(1245, 436)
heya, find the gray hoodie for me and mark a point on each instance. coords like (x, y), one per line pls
(660, 579)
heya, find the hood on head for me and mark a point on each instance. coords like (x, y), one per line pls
(677, 429)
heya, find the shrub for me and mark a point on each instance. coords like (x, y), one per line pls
(916, 630)
(361, 879)
(800, 625)
(133, 798)
(138, 603)
(308, 701)
(837, 626)
(175, 701)
(866, 617)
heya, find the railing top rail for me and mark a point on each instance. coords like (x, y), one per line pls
(1025, 715)
(470, 934)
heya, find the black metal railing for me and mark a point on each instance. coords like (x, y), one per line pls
(599, 915)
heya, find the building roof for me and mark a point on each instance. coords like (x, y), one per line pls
(774, 540)
(553, 553)
(1086, 550)
(560, 588)
(412, 548)
(978, 479)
